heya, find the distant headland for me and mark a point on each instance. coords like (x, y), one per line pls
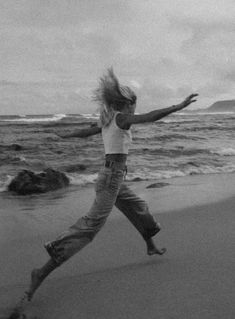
(219, 106)
(222, 106)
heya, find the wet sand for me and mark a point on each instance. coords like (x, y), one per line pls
(113, 277)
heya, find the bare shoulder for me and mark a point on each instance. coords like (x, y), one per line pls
(122, 121)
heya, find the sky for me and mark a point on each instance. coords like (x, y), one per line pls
(52, 52)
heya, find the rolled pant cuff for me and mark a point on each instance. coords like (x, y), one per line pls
(52, 253)
(151, 232)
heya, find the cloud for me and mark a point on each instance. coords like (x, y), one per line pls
(37, 37)
(209, 44)
(135, 84)
(209, 49)
(230, 75)
(53, 13)
(165, 49)
(43, 98)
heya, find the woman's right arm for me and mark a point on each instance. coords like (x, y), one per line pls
(81, 133)
(155, 115)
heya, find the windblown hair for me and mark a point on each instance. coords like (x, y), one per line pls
(111, 97)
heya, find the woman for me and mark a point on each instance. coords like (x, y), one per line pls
(117, 108)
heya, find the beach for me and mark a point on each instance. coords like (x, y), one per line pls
(113, 277)
(96, 93)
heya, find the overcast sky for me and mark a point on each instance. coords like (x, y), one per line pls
(53, 52)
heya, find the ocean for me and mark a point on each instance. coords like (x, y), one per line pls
(178, 145)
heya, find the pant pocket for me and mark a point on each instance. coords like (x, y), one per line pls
(115, 181)
(110, 181)
(103, 181)
(100, 182)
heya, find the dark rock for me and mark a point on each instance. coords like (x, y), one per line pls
(14, 147)
(93, 124)
(157, 185)
(27, 182)
(137, 179)
(193, 164)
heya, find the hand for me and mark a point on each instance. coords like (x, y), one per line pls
(190, 99)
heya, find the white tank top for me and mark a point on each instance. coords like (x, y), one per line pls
(116, 140)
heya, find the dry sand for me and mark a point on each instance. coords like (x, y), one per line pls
(113, 277)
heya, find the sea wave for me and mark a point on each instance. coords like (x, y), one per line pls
(148, 174)
(168, 137)
(4, 182)
(171, 152)
(11, 117)
(201, 112)
(35, 118)
(68, 124)
(215, 127)
(214, 113)
(81, 179)
(48, 118)
(91, 116)
(144, 174)
(178, 120)
(165, 150)
(13, 146)
(224, 151)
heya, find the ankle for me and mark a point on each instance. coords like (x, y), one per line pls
(37, 272)
(149, 242)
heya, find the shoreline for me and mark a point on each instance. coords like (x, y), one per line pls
(113, 277)
(178, 193)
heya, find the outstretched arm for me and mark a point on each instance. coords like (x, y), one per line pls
(125, 120)
(81, 133)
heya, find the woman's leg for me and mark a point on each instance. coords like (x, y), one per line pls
(82, 232)
(136, 210)
(38, 275)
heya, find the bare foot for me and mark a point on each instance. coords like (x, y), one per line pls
(152, 249)
(36, 281)
(156, 251)
(18, 311)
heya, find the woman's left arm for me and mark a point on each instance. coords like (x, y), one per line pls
(126, 120)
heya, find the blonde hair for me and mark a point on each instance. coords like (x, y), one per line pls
(111, 96)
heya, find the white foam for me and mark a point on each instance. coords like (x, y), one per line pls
(224, 151)
(81, 179)
(195, 113)
(177, 120)
(5, 182)
(152, 175)
(90, 116)
(191, 170)
(54, 118)
(214, 113)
